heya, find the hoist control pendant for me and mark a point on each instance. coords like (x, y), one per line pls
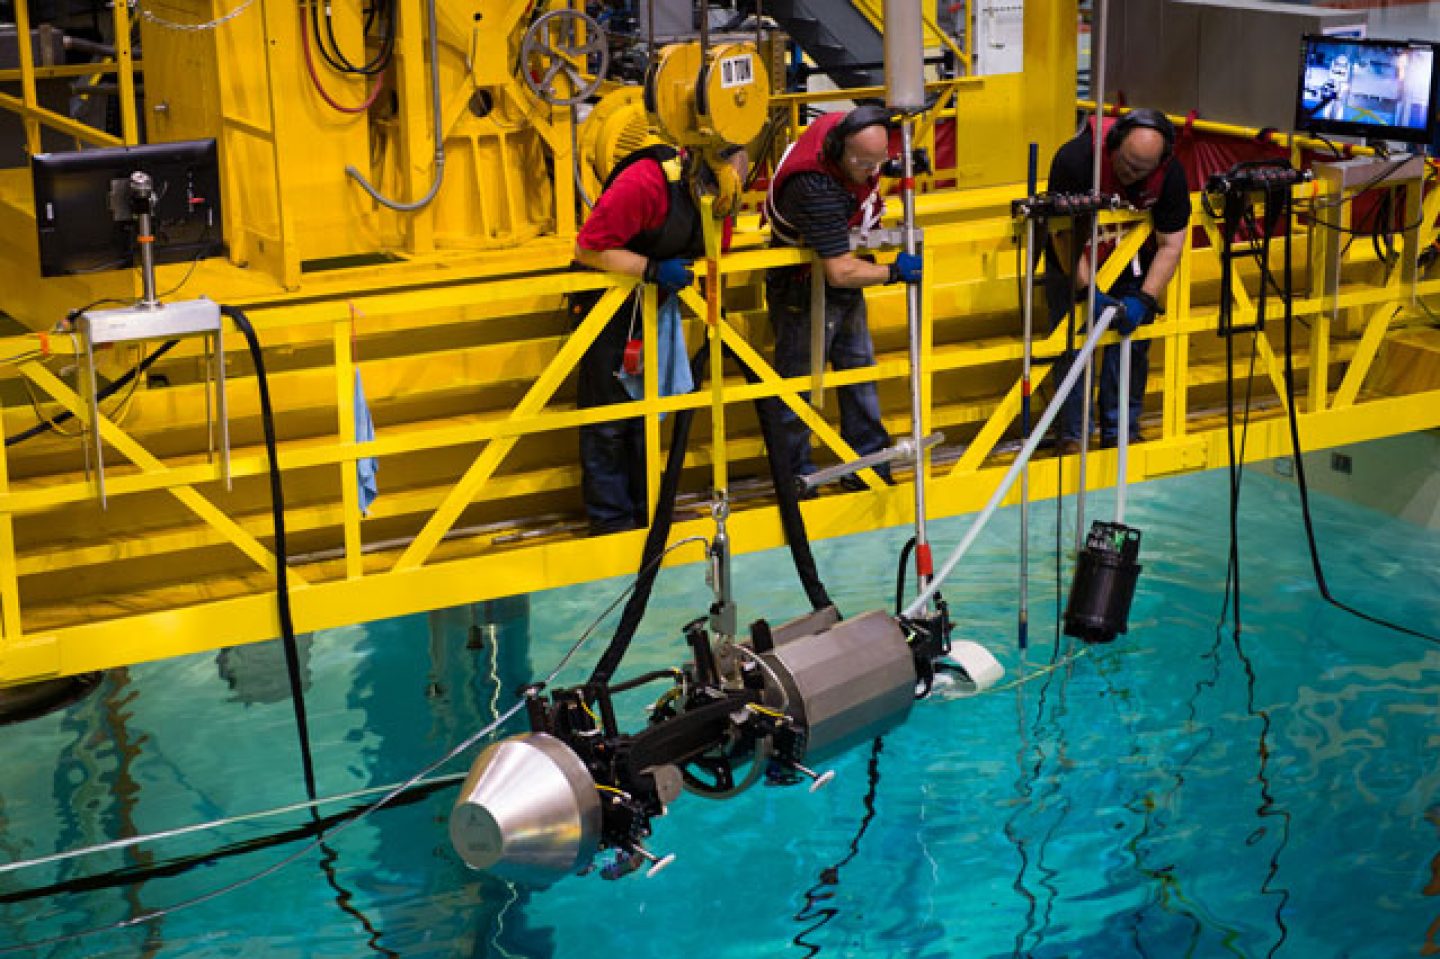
(1104, 586)
(528, 811)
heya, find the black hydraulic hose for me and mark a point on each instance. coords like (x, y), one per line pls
(787, 501)
(1227, 280)
(106, 392)
(282, 585)
(653, 676)
(658, 537)
(900, 575)
(344, 898)
(1298, 456)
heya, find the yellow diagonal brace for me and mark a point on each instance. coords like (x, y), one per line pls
(790, 396)
(1239, 294)
(142, 458)
(996, 425)
(496, 450)
(1364, 356)
(1273, 368)
(1124, 252)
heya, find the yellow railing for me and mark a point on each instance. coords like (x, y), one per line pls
(64, 606)
(34, 116)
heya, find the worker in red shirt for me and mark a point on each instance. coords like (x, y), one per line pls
(646, 224)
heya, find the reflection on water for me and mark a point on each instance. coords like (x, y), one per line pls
(1183, 792)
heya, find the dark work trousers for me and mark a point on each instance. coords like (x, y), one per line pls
(1108, 410)
(847, 347)
(612, 455)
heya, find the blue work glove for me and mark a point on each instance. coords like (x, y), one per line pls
(1121, 323)
(673, 274)
(1139, 309)
(906, 267)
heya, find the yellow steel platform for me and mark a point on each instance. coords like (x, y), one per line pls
(475, 440)
(467, 357)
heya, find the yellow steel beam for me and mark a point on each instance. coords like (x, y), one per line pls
(125, 73)
(10, 624)
(649, 304)
(496, 450)
(1364, 357)
(142, 458)
(137, 638)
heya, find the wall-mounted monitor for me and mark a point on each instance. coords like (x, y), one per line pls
(84, 217)
(1376, 89)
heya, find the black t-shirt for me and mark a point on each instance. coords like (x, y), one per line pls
(818, 208)
(1072, 171)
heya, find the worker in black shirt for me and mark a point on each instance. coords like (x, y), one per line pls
(1137, 162)
(824, 187)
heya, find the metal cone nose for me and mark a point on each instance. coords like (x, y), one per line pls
(528, 811)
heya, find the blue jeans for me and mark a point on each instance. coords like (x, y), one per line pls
(847, 347)
(1109, 406)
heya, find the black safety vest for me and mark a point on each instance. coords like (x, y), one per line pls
(681, 233)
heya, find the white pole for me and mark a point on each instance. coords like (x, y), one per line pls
(1097, 329)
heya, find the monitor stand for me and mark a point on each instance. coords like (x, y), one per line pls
(150, 319)
(1345, 179)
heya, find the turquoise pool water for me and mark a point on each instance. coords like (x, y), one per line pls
(1174, 794)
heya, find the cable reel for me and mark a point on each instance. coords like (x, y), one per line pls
(707, 100)
(567, 47)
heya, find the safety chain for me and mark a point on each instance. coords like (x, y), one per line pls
(194, 27)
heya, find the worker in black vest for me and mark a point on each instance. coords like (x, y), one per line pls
(1137, 162)
(646, 223)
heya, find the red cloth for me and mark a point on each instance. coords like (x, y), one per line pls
(637, 201)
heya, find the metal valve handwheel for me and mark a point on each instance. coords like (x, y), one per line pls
(553, 47)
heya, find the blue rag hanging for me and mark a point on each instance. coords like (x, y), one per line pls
(673, 358)
(366, 467)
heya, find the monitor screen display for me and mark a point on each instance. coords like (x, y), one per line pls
(1377, 89)
(83, 214)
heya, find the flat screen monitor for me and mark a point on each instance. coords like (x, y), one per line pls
(1376, 89)
(83, 213)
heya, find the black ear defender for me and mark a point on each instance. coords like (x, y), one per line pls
(1142, 117)
(869, 115)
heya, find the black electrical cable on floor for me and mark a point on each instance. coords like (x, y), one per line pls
(1298, 457)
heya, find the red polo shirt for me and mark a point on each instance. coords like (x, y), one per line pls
(637, 201)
